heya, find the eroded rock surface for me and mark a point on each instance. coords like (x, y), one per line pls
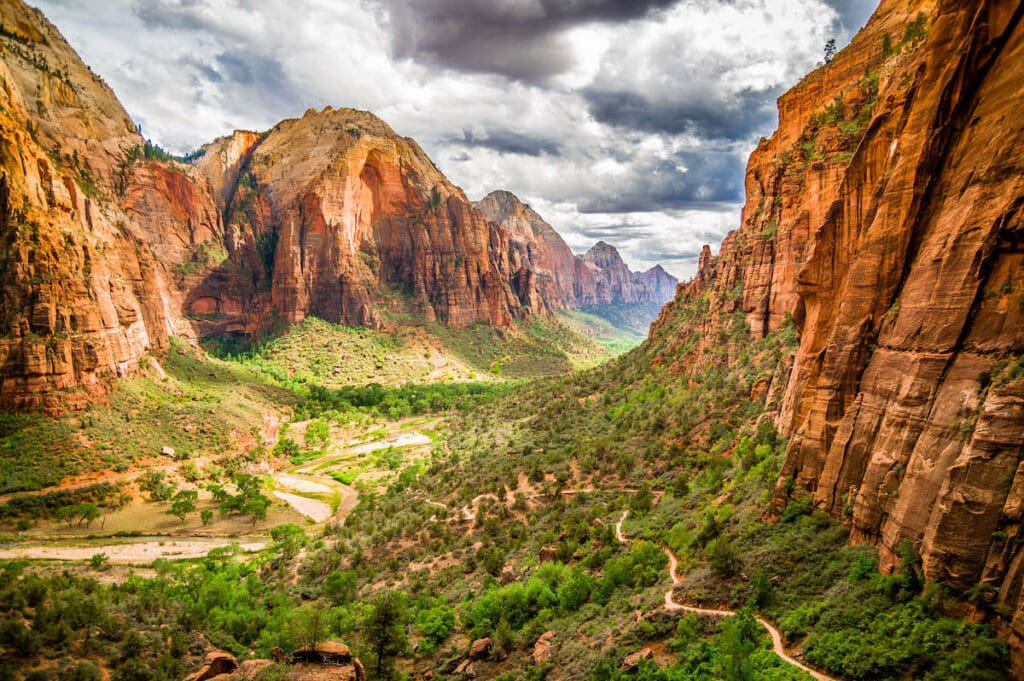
(884, 218)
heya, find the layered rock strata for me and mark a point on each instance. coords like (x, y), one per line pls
(885, 219)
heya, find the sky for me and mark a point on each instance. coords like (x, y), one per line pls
(628, 121)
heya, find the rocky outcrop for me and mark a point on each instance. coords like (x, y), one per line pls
(599, 277)
(332, 213)
(561, 278)
(326, 661)
(83, 298)
(631, 662)
(884, 218)
(217, 664)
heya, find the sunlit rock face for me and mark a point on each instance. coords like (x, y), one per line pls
(884, 218)
(598, 277)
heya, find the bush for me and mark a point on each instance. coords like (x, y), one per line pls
(341, 587)
(435, 624)
(723, 557)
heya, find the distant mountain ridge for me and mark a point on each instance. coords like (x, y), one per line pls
(593, 281)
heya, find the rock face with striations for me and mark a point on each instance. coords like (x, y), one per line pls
(885, 217)
(82, 300)
(325, 212)
(538, 251)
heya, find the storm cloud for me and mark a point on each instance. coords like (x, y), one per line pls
(509, 142)
(732, 117)
(519, 40)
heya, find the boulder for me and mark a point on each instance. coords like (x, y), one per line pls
(633, 660)
(328, 652)
(548, 553)
(480, 648)
(542, 648)
(217, 663)
(250, 669)
(508, 575)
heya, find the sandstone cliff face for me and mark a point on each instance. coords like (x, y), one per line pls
(537, 248)
(885, 218)
(329, 210)
(599, 277)
(82, 298)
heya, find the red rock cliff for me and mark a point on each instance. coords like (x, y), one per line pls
(885, 217)
(83, 298)
(326, 213)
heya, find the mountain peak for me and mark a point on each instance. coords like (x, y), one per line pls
(604, 255)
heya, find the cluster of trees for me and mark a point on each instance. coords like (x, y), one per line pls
(406, 400)
(84, 504)
(248, 500)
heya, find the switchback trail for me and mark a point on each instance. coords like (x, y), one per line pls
(672, 606)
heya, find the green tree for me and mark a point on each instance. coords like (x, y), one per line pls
(722, 557)
(183, 503)
(384, 629)
(741, 635)
(288, 539)
(87, 513)
(341, 587)
(642, 501)
(435, 624)
(317, 433)
(307, 625)
(255, 506)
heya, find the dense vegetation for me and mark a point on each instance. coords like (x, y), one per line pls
(315, 352)
(507, 531)
(192, 405)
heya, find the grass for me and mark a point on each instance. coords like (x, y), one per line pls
(529, 349)
(601, 331)
(316, 351)
(627, 317)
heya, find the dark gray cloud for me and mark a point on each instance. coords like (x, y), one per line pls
(712, 116)
(619, 230)
(522, 41)
(853, 14)
(622, 120)
(687, 179)
(509, 142)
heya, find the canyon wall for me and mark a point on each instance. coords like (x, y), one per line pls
(82, 298)
(332, 215)
(884, 220)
